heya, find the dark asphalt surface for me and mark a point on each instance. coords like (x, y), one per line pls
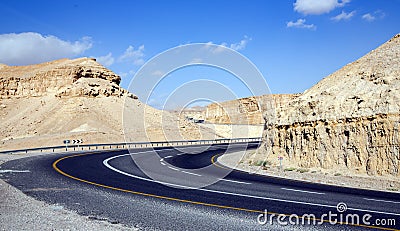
(185, 209)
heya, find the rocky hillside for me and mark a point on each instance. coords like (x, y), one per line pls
(349, 120)
(245, 110)
(43, 104)
(78, 77)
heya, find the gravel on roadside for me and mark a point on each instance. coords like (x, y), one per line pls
(235, 160)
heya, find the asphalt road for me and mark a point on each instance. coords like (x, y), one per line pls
(183, 189)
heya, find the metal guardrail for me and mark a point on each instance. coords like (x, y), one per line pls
(131, 145)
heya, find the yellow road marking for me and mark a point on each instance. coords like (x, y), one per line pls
(186, 201)
(218, 165)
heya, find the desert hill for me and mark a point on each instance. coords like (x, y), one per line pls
(43, 104)
(246, 111)
(349, 120)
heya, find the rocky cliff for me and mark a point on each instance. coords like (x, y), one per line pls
(65, 77)
(43, 104)
(348, 120)
(245, 110)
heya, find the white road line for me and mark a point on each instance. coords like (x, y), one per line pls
(181, 154)
(191, 173)
(105, 162)
(13, 171)
(234, 181)
(167, 157)
(173, 168)
(162, 163)
(394, 202)
(162, 159)
(296, 190)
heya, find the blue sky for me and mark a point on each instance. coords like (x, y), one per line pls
(293, 43)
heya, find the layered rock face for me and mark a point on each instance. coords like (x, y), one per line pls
(245, 110)
(78, 77)
(44, 104)
(349, 120)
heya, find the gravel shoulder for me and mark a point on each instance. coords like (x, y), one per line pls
(21, 212)
(235, 160)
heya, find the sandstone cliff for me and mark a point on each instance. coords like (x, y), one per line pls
(43, 104)
(65, 77)
(348, 120)
(245, 110)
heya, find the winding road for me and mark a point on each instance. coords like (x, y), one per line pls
(186, 188)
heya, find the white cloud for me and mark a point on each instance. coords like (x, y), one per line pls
(240, 45)
(130, 55)
(370, 17)
(130, 73)
(106, 60)
(301, 23)
(317, 6)
(343, 16)
(134, 56)
(30, 48)
(220, 48)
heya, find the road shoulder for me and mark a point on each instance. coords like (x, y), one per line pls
(234, 160)
(21, 212)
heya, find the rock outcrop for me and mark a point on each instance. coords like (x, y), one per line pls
(245, 110)
(348, 120)
(44, 104)
(65, 77)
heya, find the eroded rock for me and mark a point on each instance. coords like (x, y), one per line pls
(245, 110)
(349, 119)
(65, 77)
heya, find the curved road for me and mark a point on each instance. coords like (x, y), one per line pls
(111, 185)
